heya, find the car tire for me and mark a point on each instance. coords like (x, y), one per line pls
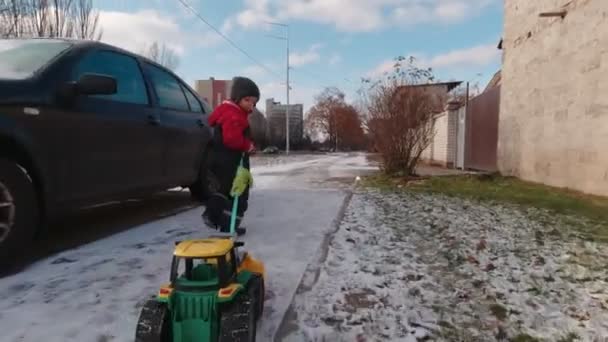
(207, 183)
(19, 212)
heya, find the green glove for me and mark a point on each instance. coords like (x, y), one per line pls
(242, 180)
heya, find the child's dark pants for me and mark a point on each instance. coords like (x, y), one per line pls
(224, 165)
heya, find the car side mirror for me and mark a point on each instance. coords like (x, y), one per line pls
(88, 84)
(96, 84)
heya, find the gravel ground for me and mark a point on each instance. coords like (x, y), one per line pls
(415, 267)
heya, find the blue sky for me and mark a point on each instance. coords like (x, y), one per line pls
(333, 42)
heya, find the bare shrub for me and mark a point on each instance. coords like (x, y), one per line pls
(401, 108)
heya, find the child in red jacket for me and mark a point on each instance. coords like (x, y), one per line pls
(231, 142)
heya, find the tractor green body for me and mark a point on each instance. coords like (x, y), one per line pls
(194, 305)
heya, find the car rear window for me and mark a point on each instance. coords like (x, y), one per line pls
(170, 93)
(21, 59)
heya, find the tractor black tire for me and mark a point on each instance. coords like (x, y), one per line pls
(256, 287)
(154, 323)
(19, 211)
(206, 182)
(237, 319)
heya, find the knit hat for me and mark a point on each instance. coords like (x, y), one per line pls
(243, 87)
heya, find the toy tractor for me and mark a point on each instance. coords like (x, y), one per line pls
(215, 294)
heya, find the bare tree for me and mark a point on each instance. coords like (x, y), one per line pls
(86, 21)
(320, 118)
(460, 94)
(333, 117)
(49, 18)
(38, 18)
(162, 54)
(401, 115)
(61, 23)
(6, 26)
(12, 18)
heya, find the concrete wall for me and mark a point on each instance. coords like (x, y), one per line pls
(437, 151)
(553, 125)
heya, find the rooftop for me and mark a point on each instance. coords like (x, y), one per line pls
(204, 248)
(450, 85)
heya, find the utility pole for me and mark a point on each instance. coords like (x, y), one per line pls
(467, 94)
(287, 85)
(287, 90)
(466, 100)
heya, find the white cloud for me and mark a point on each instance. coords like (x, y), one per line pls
(255, 14)
(309, 56)
(335, 59)
(254, 71)
(475, 57)
(480, 55)
(346, 15)
(359, 15)
(453, 10)
(411, 14)
(135, 31)
(227, 26)
(381, 69)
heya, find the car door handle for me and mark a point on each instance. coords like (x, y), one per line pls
(153, 120)
(200, 122)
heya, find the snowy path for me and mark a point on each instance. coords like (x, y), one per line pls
(93, 293)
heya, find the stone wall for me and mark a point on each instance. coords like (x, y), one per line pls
(553, 125)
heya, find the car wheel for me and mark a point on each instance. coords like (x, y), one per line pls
(18, 209)
(207, 183)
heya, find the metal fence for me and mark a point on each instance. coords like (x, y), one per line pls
(482, 131)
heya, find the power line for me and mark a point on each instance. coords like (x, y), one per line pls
(328, 81)
(227, 39)
(195, 12)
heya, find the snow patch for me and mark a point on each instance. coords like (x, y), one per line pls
(96, 291)
(408, 267)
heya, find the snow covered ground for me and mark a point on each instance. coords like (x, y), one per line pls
(412, 267)
(317, 171)
(94, 292)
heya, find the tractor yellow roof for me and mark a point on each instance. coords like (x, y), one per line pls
(204, 248)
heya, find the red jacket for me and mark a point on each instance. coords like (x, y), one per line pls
(233, 121)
